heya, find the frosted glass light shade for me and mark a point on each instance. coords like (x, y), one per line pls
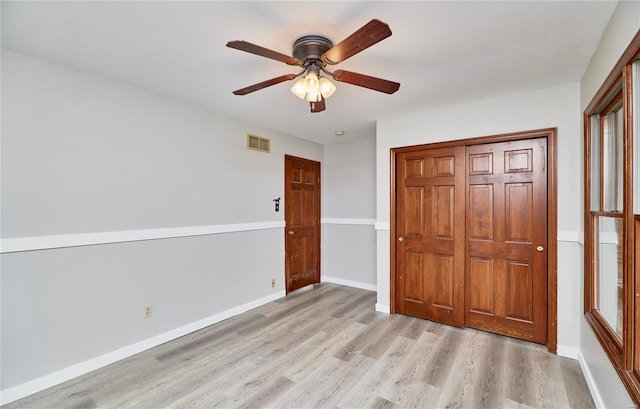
(326, 88)
(298, 89)
(311, 82)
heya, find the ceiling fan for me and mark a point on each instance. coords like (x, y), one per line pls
(313, 53)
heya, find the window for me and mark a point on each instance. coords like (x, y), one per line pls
(612, 217)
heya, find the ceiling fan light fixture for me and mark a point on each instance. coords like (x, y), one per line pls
(311, 82)
(326, 87)
(313, 88)
(298, 89)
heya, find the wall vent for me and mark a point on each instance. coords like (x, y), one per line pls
(258, 143)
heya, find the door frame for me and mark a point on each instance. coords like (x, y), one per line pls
(287, 222)
(552, 215)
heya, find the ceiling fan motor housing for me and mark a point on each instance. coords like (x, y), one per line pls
(311, 47)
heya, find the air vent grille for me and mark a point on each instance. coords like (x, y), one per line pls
(258, 143)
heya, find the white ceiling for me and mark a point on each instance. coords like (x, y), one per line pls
(442, 53)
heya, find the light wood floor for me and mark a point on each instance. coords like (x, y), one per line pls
(328, 348)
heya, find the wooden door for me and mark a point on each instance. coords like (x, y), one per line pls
(302, 222)
(506, 263)
(430, 234)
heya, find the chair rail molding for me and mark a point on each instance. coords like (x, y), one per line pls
(17, 244)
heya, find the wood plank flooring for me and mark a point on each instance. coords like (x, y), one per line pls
(326, 347)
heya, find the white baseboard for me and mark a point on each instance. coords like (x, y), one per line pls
(595, 393)
(383, 308)
(47, 381)
(349, 283)
(568, 352)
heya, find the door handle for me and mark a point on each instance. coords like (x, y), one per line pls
(290, 232)
(400, 238)
(540, 249)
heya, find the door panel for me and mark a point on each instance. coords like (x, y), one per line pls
(506, 280)
(519, 212)
(480, 212)
(414, 281)
(414, 212)
(302, 222)
(430, 245)
(480, 272)
(443, 211)
(442, 283)
(519, 287)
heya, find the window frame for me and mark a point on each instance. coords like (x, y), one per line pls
(624, 355)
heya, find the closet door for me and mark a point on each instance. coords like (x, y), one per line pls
(506, 217)
(430, 234)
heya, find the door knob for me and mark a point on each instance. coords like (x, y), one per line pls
(540, 248)
(290, 232)
(400, 238)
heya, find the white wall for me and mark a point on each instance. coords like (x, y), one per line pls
(348, 235)
(83, 155)
(545, 108)
(623, 26)
(349, 179)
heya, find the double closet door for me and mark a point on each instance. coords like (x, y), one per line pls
(471, 236)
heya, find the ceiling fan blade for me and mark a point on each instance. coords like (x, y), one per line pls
(318, 106)
(368, 35)
(361, 80)
(264, 84)
(263, 52)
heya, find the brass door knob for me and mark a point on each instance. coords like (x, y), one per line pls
(540, 248)
(290, 232)
(400, 238)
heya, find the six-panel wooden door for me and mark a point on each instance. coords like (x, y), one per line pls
(471, 236)
(430, 211)
(506, 263)
(302, 222)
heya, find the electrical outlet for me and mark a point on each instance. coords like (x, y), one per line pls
(148, 311)
(273, 283)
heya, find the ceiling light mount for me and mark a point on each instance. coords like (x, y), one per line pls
(311, 47)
